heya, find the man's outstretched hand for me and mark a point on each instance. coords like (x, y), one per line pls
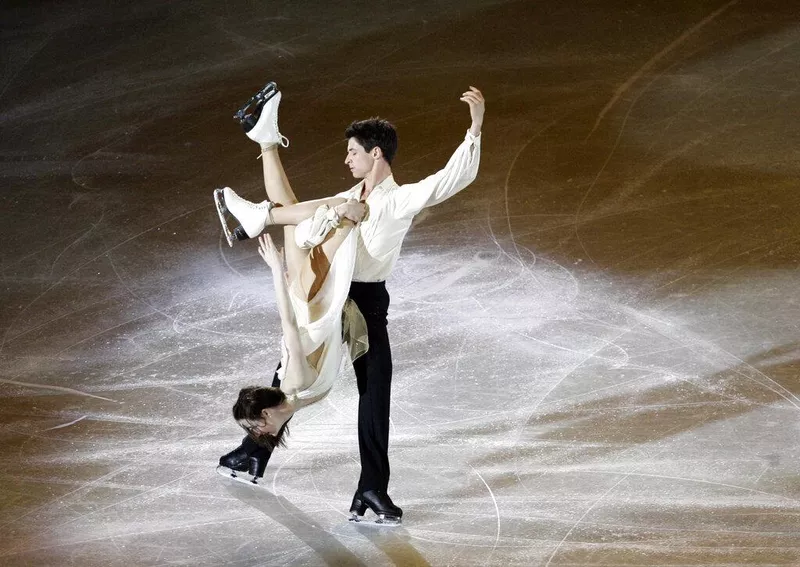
(477, 106)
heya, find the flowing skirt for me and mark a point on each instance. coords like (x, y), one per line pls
(330, 320)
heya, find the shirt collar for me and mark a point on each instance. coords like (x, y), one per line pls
(385, 184)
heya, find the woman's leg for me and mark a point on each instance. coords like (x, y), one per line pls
(275, 181)
(288, 211)
(295, 214)
(317, 264)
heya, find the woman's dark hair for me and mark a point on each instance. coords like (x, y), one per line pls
(374, 132)
(248, 406)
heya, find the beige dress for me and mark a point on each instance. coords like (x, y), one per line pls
(330, 320)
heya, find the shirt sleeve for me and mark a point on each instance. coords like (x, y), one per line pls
(460, 171)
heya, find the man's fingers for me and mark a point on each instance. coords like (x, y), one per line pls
(475, 92)
(472, 98)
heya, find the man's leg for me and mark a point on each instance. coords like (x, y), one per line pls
(374, 376)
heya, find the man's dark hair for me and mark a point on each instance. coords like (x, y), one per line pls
(374, 132)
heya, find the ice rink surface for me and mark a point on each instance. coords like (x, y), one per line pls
(596, 344)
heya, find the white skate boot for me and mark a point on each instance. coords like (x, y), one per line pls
(254, 217)
(261, 124)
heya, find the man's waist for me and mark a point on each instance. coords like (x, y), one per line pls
(368, 283)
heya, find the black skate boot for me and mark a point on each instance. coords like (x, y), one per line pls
(249, 457)
(380, 503)
(259, 117)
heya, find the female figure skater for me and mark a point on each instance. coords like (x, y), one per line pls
(316, 315)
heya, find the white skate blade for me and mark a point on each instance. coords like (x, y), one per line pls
(219, 199)
(241, 477)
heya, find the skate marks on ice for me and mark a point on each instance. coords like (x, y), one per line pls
(544, 412)
(623, 393)
(656, 58)
(332, 541)
(84, 263)
(719, 79)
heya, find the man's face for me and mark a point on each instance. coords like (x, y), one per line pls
(358, 160)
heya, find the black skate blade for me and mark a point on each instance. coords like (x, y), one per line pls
(219, 200)
(269, 91)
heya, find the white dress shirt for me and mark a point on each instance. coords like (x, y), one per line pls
(392, 208)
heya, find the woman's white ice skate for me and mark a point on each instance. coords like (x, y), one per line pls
(253, 217)
(261, 122)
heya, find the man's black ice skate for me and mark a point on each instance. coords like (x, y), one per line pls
(254, 217)
(259, 117)
(380, 503)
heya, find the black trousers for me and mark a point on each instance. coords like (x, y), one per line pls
(374, 376)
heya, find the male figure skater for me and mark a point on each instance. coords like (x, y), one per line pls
(371, 147)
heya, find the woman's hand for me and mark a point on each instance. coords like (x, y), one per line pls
(270, 253)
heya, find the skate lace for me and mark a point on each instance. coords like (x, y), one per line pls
(284, 141)
(262, 206)
(242, 202)
(259, 206)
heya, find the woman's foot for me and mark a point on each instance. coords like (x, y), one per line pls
(249, 457)
(253, 217)
(261, 123)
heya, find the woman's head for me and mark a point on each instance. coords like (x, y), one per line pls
(263, 413)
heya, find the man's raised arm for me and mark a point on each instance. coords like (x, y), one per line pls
(460, 171)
